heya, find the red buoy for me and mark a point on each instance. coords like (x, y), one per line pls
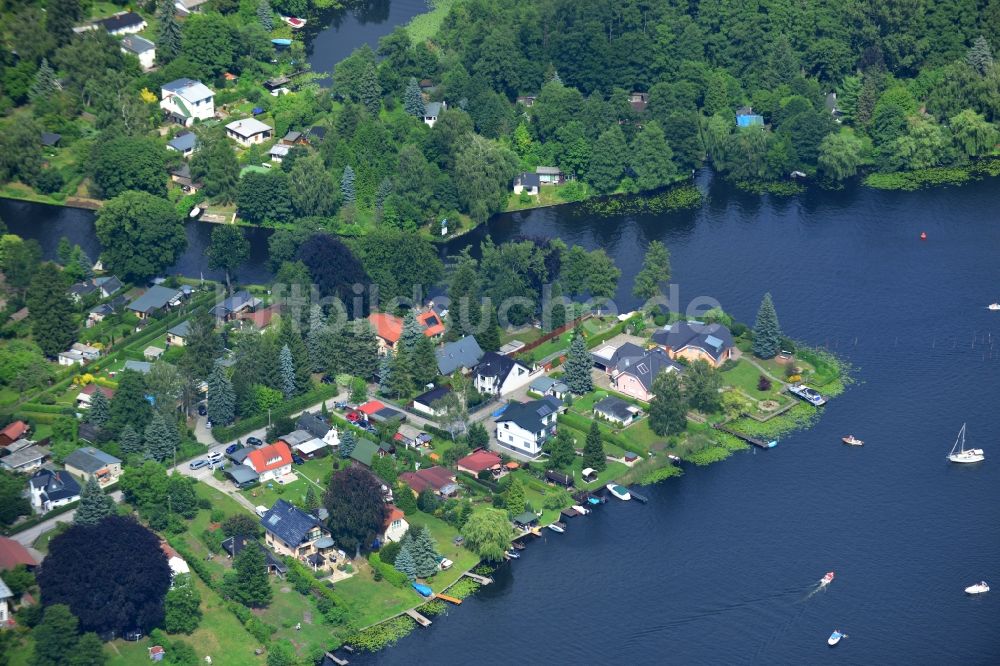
(923, 235)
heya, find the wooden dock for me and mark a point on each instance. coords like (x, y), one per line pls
(482, 580)
(746, 438)
(450, 599)
(337, 660)
(418, 618)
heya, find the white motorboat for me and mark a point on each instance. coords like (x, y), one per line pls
(557, 527)
(826, 580)
(621, 492)
(583, 511)
(960, 454)
(195, 212)
(979, 588)
(851, 440)
(995, 307)
(835, 637)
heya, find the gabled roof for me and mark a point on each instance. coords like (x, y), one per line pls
(528, 180)
(5, 592)
(50, 139)
(279, 150)
(463, 353)
(364, 451)
(713, 339)
(528, 415)
(318, 132)
(435, 478)
(136, 44)
(548, 171)
(292, 136)
(238, 302)
(183, 142)
(609, 355)
(614, 407)
(248, 127)
(234, 545)
(432, 109)
(543, 384)
(89, 460)
(108, 284)
(431, 323)
(82, 288)
(371, 407)
(91, 389)
(15, 430)
(12, 553)
(121, 21)
(430, 397)
(479, 461)
(29, 454)
(296, 437)
(272, 456)
(181, 330)
(189, 89)
(139, 366)
(645, 368)
(57, 485)
(495, 365)
(387, 326)
(289, 523)
(313, 424)
(155, 298)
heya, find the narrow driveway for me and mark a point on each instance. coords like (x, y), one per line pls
(30, 535)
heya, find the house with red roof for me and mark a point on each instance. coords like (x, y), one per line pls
(84, 397)
(389, 328)
(395, 524)
(480, 461)
(433, 326)
(270, 462)
(13, 432)
(437, 478)
(12, 553)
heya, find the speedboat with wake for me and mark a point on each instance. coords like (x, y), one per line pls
(960, 454)
(979, 588)
(835, 637)
(826, 580)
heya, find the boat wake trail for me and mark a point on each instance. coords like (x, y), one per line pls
(818, 587)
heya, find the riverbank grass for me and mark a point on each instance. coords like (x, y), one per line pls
(424, 26)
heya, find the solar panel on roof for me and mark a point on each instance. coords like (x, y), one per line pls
(714, 341)
(273, 520)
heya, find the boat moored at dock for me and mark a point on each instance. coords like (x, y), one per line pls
(812, 396)
(620, 492)
(583, 511)
(557, 527)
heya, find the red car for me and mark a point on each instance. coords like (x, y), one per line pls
(354, 417)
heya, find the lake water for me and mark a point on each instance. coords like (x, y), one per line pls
(717, 567)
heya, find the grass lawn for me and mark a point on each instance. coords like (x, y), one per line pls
(525, 335)
(444, 535)
(372, 601)
(288, 608)
(556, 344)
(8, 396)
(268, 493)
(21, 652)
(745, 376)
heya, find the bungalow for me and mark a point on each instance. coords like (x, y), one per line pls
(695, 341)
(424, 403)
(81, 290)
(634, 375)
(315, 425)
(123, 23)
(182, 176)
(316, 134)
(90, 463)
(239, 302)
(234, 545)
(365, 451)
(548, 386)
(559, 479)
(15, 446)
(249, 131)
(78, 354)
(525, 521)
(176, 335)
(432, 110)
(527, 100)
(606, 358)
(13, 432)
(152, 352)
(98, 313)
(50, 489)
(13, 553)
(745, 117)
(184, 143)
(462, 354)
(86, 395)
(278, 152)
(499, 375)
(108, 285)
(261, 318)
(478, 461)
(141, 48)
(142, 367)
(616, 410)
(290, 531)
(411, 437)
(270, 462)
(26, 459)
(527, 183)
(185, 100)
(155, 299)
(549, 175)
(174, 560)
(6, 603)
(638, 101)
(438, 479)
(395, 525)
(293, 138)
(51, 139)
(526, 426)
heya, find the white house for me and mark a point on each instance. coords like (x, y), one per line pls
(499, 375)
(78, 354)
(6, 601)
(51, 489)
(525, 426)
(185, 101)
(141, 48)
(527, 183)
(395, 524)
(249, 131)
(270, 462)
(432, 110)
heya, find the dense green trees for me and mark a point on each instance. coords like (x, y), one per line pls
(248, 582)
(126, 163)
(228, 250)
(221, 397)
(486, 169)
(215, 165)
(356, 507)
(668, 409)
(94, 504)
(182, 606)
(264, 198)
(12, 501)
(53, 321)
(488, 533)
(141, 234)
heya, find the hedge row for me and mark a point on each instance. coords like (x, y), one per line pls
(243, 426)
(618, 328)
(389, 572)
(582, 424)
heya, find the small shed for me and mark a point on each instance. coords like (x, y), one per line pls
(526, 520)
(51, 139)
(152, 353)
(589, 474)
(559, 478)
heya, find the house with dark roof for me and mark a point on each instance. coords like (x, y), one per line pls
(108, 285)
(184, 143)
(462, 354)
(88, 462)
(234, 545)
(99, 312)
(432, 111)
(185, 100)
(238, 303)
(141, 48)
(607, 356)
(424, 403)
(558, 478)
(50, 489)
(527, 100)
(527, 183)
(696, 341)
(616, 410)
(524, 427)
(316, 134)
(142, 367)
(81, 290)
(177, 335)
(499, 375)
(123, 23)
(25, 459)
(364, 451)
(634, 375)
(51, 139)
(241, 475)
(155, 299)
(270, 462)
(290, 531)
(438, 479)
(315, 425)
(548, 386)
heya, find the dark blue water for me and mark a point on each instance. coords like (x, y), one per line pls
(717, 567)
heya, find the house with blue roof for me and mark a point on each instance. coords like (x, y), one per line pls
(696, 341)
(745, 117)
(50, 489)
(184, 143)
(289, 530)
(462, 354)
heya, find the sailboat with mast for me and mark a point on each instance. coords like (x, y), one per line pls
(960, 454)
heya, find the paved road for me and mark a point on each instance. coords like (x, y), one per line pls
(30, 535)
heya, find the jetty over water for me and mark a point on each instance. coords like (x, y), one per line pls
(418, 618)
(743, 436)
(482, 580)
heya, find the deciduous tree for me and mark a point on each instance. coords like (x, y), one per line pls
(228, 250)
(667, 409)
(356, 507)
(561, 450)
(141, 234)
(488, 533)
(652, 159)
(56, 636)
(607, 161)
(182, 606)
(701, 387)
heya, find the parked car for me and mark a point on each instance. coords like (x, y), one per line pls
(233, 448)
(198, 464)
(297, 459)
(214, 456)
(254, 441)
(260, 510)
(202, 409)
(340, 405)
